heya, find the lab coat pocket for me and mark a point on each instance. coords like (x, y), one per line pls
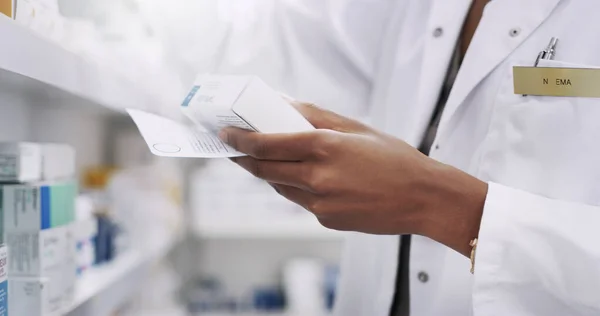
(545, 144)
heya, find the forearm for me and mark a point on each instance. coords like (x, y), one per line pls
(453, 206)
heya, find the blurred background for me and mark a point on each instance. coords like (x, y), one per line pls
(157, 236)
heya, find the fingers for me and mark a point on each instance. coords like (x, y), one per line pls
(282, 147)
(319, 207)
(294, 174)
(303, 198)
(324, 119)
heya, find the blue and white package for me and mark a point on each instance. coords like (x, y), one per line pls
(3, 280)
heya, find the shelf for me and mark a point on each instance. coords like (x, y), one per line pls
(301, 228)
(41, 71)
(105, 288)
(243, 314)
(256, 314)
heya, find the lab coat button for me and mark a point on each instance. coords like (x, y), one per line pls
(423, 277)
(438, 32)
(514, 32)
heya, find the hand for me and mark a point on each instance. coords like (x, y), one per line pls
(353, 177)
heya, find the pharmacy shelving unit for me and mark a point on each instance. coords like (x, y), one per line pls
(229, 203)
(38, 68)
(38, 72)
(103, 289)
(292, 228)
(257, 314)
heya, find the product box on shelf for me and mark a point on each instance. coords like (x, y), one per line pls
(20, 162)
(35, 207)
(37, 224)
(32, 297)
(85, 233)
(58, 161)
(50, 5)
(69, 268)
(7, 7)
(41, 257)
(27, 162)
(4, 280)
(42, 18)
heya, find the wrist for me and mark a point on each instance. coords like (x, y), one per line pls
(452, 207)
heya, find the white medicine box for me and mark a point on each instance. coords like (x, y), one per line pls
(58, 161)
(28, 162)
(32, 297)
(247, 102)
(20, 162)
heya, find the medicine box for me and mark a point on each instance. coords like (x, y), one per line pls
(43, 259)
(36, 254)
(37, 219)
(32, 297)
(37, 206)
(58, 161)
(69, 268)
(27, 162)
(7, 7)
(38, 230)
(217, 101)
(85, 233)
(42, 17)
(20, 162)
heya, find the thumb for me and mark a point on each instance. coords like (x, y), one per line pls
(325, 119)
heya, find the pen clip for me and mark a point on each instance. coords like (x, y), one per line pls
(551, 50)
(540, 56)
(547, 54)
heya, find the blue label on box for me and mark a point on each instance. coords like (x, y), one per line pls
(4, 298)
(3, 281)
(190, 96)
(45, 207)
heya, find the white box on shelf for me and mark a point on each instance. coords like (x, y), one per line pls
(32, 297)
(20, 162)
(42, 17)
(38, 228)
(26, 12)
(41, 257)
(85, 231)
(28, 162)
(37, 254)
(49, 257)
(58, 161)
(51, 5)
(69, 267)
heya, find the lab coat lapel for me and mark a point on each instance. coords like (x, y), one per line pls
(504, 26)
(445, 24)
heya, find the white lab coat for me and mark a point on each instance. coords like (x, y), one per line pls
(385, 61)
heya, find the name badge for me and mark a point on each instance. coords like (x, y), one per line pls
(559, 82)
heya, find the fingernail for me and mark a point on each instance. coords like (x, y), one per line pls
(223, 135)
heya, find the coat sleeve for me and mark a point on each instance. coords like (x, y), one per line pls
(536, 256)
